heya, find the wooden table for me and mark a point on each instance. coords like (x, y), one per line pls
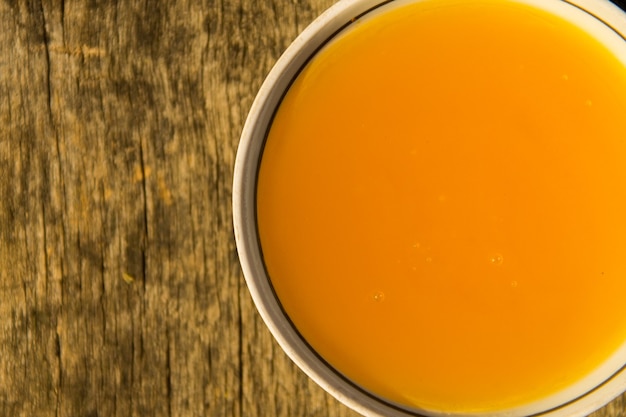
(121, 289)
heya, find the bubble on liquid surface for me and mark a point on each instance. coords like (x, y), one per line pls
(429, 259)
(513, 284)
(496, 259)
(378, 296)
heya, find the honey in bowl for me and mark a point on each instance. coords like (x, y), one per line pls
(441, 205)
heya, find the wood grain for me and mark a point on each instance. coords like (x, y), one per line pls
(120, 283)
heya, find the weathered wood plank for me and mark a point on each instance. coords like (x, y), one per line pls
(121, 289)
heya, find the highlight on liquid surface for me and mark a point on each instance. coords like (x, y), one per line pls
(441, 204)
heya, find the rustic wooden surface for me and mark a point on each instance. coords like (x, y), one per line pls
(121, 293)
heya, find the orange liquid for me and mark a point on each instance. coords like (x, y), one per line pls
(442, 204)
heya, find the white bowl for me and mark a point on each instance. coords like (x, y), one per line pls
(335, 19)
